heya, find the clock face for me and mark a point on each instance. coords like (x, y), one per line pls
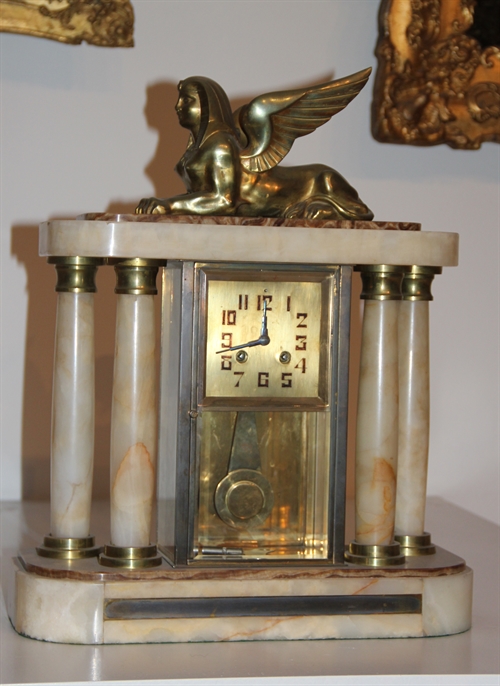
(265, 338)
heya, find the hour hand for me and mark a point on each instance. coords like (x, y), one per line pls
(263, 339)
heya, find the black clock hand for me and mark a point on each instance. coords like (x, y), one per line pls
(262, 340)
(264, 334)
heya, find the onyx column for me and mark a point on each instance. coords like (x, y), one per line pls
(133, 418)
(72, 438)
(413, 443)
(377, 423)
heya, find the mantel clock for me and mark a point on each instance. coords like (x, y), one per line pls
(248, 458)
(255, 357)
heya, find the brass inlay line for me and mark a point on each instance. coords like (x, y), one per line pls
(262, 606)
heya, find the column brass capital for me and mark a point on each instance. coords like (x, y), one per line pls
(381, 281)
(136, 276)
(417, 283)
(76, 274)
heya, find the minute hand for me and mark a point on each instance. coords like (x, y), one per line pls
(263, 340)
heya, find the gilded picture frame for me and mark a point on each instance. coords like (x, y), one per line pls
(438, 77)
(107, 23)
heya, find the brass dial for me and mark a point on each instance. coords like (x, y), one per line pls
(263, 338)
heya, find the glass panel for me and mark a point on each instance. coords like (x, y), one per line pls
(263, 485)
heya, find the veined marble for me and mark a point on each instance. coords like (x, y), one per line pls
(413, 442)
(377, 426)
(74, 611)
(214, 588)
(72, 446)
(262, 628)
(247, 243)
(133, 422)
(447, 604)
(62, 611)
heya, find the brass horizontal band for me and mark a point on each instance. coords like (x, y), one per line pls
(65, 554)
(374, 555)
(136, 276)
(76, 274)
(129, 552)
(374, 550)
(144, 563)
(68, 548)
(69, 543)
(414, 545)
(130, 557)
(417, 283)
(381, 281)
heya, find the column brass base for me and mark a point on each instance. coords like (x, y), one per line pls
(374, 555)
(416, 545)
(130, 557)
(68, 548)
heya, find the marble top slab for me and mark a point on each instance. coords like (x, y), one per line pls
(245, 239)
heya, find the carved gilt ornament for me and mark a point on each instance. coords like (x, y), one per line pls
(438, 79)
(107, 23)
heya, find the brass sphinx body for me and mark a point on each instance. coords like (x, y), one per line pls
(231, 165)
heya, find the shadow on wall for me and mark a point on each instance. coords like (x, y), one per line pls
(172, 139)
(160, 115)
(41, 317)
(38, 366)
(37, 391)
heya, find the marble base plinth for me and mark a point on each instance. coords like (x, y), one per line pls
(81, 602)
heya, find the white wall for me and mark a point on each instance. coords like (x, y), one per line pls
(75, 138)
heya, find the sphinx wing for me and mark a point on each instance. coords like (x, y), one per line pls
(270, 123)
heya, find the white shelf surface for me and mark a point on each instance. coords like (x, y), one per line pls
(469, 659)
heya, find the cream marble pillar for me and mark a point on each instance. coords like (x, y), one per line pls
(133, 418)
(377, 423)
(413, 444)
(72, 441)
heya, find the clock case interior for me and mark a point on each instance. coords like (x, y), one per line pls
(246, 479)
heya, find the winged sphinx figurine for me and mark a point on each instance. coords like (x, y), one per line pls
(231, 165)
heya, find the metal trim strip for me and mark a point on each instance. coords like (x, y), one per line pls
(262, 606)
